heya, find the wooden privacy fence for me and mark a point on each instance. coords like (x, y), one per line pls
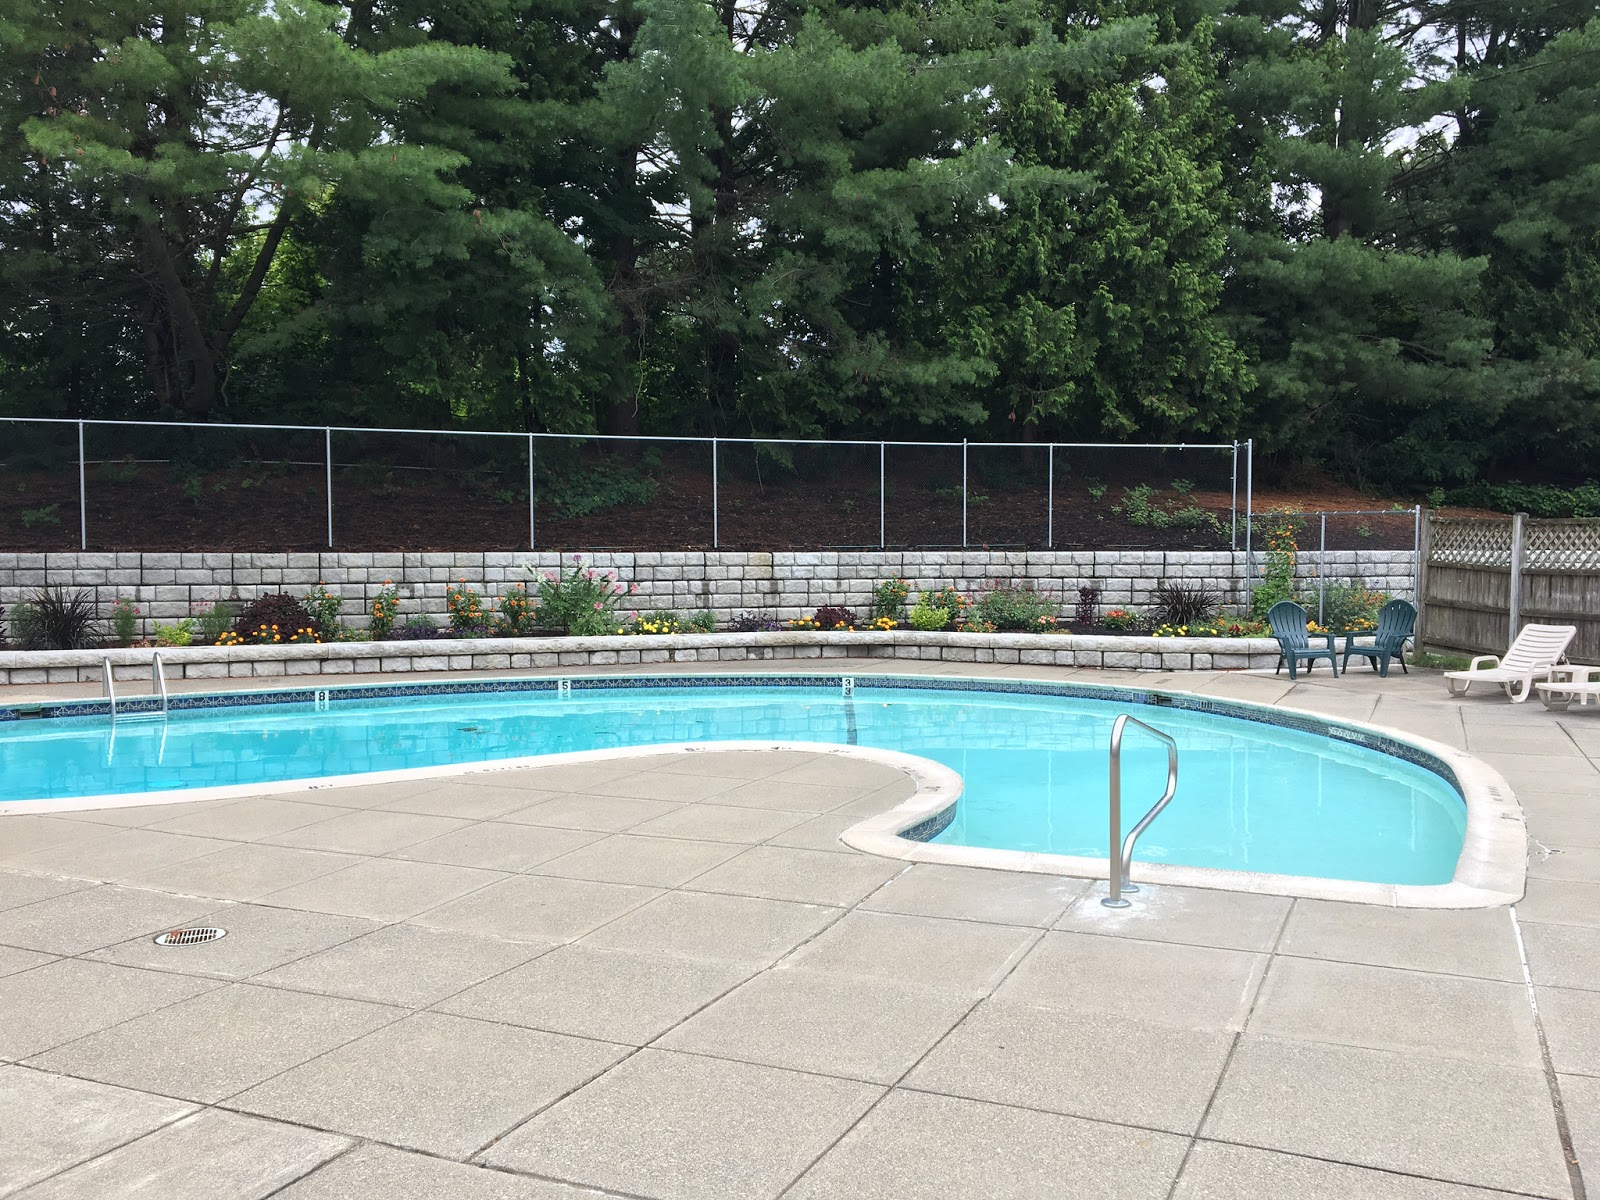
(1484, 578)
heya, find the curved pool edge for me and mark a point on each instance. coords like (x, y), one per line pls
(1491, 870)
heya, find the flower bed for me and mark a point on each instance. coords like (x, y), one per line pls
(27, 667)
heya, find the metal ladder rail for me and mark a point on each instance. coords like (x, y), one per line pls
(1122, 859)
(157, 673)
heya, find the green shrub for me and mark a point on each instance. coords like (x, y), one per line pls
(54, 619)
(1535, 499)
(1015, 605)
(703, 622)
(889, 599)
(1140, 507)
(179, 633)
(216, 620)
(927, 618)
(26, 632)
(583, 490)
(581, 601)
(125, 620)
(1183, 604)
(324, 606)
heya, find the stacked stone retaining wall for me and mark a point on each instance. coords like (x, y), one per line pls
(780, 585)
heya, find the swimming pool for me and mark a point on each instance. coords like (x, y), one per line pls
(1259, 791)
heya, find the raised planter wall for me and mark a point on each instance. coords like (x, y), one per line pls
(782, 585)
(788, 650)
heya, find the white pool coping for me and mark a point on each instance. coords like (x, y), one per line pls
(1490, 871)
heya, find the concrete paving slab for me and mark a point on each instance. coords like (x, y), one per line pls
(920, 1147)
(1565, 956)
(53, 1122)
(805, 876)
(380, 1173)
(432, 1082)
(968, 894)
(659, 785)
(1476, 942)
(402, 964)
(24, 833)
(1580, 1096)
(1488, 1126)
(469, 802)
(243, 871)
(250, 819)
(788, 796)
(722, 823)
(628, 858)
(13, 960)
(205, 1156)
(369, 831)
(1217, 1171)
(133, 816)
(66, 999)
(682, 1127)
(1194, 916)
(869, 1029)
(1188, 987)
(370, 795)
(1571, 862)
(730, 764)
(1572, 1028)
(819, 833)
(1093, 1065)
(19, 887)
(880, 801)
(961, 956)
(601, 814)
(566, 777)
(94, 917)
(383, 889)
(537, 908)
(840, 770)
(218, 1043)
(118, 856)
(259, 938)
(1561, 902)
(1478, 1020)
(497, 846)
(612, 995)
(738, 929)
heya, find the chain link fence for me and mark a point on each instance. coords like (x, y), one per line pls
(115, 485)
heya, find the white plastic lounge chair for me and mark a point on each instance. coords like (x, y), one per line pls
(1536, 649)
(1569, 685)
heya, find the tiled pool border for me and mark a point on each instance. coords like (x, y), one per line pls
(1491, 869)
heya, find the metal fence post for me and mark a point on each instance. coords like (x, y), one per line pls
(1249, 515)
(1050, 501)
(1233, 502)
(1322, 569)
(1517, 529)
(883, 499)
(716, 532)
(83, 496)
(1416, 556)
(327, 445)
(532, 542)
(963, 493)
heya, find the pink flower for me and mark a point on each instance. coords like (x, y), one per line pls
(632, 588)
(598, 606)
(577, 558)
(550, 576)
(611, 574)
(588, 574)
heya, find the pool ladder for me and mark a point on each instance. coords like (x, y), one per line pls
(157, 673)
(1122, 858)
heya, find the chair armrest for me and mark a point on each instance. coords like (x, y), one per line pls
(1329, 636)
(1492, 659)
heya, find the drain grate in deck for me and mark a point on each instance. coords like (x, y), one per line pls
(189, 937)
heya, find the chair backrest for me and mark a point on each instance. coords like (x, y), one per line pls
(1538, 646)
(1288, 622)
(1396, 620)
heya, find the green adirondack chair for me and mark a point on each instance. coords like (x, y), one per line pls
(1396, 620)
(1288, 622)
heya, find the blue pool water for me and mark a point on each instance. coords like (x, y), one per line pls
(1251, 796)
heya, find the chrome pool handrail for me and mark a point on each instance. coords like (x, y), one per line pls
(157, 673)
(1122, 861)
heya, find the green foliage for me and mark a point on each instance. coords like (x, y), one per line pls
(325, 606)
(1350, 607)
(585, 490)
(518, 611)
(1277, 582)
(49, 514)
(889, 599)
(1183, 604)
(580, 600)
(1537, 499)
(1140, 506)
(1123, 620)
(179, 633)
(26, 631)
(1016, 605)
(928, 617)
(385, 607)
(125, 621)
(703, 622)
(217, 618)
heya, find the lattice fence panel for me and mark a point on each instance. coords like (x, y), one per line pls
(1568, 545)
(1475, 542)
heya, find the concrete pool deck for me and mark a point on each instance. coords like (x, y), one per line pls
(667, 978)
